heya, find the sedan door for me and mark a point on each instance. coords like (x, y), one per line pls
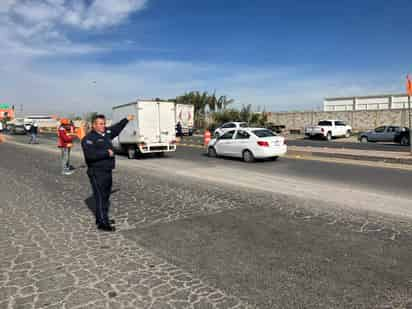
(224, 145)
(241, 142)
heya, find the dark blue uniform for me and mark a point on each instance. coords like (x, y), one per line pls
(100, 165)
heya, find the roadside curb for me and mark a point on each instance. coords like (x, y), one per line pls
(298, 153)
(354, 157)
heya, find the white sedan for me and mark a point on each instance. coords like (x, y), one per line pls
(248, 144)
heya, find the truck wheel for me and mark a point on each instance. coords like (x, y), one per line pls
(329, 136)
(404, 141)
(348, 133)
(364, 140)
(131, 152)
(248, 156)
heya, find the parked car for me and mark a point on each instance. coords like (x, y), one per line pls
(380, 134)
(248, 144)
(278, 128)
(329, 129)
(403, 137)
(16, 126)
(229, 126)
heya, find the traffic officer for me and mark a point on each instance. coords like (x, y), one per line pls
(98, 152)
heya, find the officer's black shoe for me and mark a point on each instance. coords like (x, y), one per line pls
(106, 228)
(111, 221)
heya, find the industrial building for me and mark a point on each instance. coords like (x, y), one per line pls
(362, 103)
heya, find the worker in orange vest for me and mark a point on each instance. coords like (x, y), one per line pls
(66, 136)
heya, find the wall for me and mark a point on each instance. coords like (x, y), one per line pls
(359, 120)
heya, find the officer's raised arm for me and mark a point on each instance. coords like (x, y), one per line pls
(118, 127)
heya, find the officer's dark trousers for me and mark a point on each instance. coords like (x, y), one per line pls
(101, 181)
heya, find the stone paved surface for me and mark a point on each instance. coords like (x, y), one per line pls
(51, 256)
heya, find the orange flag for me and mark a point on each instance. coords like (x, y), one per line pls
(81, 132)
(408, 85)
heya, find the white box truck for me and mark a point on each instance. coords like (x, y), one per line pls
(185, 115)
(152, 130)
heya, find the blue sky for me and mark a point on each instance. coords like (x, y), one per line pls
(277, 55)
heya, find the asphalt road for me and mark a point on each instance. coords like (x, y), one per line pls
(391, 181)
(336, 143)
(269, 250)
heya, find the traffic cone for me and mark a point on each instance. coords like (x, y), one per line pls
(207, 137)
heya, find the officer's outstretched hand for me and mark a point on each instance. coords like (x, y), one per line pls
(130, 117)
(111, 153)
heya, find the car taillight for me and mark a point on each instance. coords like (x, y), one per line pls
(263, 144)
(173, 142)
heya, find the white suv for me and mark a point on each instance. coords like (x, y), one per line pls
(229, 126)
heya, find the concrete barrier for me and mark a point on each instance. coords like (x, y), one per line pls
(359, 120)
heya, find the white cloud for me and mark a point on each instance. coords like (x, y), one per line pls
(38, 27)
(104, 13)
(70, 89)
(33, 28)
(5, 5)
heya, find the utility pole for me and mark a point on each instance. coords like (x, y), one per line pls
(409, 92)
(410, 126)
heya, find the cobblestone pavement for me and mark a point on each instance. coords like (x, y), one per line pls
(51, 255)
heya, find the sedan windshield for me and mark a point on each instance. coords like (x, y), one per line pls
(263, 133)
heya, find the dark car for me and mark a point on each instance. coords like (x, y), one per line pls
(381, 134)
(403, 137)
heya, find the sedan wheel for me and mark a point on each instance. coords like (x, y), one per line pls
(248, 156)
(211, 152)
(364, 139)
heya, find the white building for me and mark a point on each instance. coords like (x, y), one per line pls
(375, 102)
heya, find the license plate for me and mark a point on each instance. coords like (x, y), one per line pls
(277, 143)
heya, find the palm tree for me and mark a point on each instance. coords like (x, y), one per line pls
(201, 101)
(212, 102)
(223, 102)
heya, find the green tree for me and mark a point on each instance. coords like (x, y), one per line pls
(246, 113)
(203, 101)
